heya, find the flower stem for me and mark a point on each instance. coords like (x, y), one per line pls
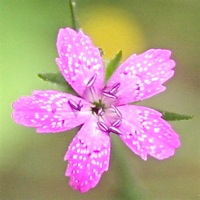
(74, 16)
(127, 186)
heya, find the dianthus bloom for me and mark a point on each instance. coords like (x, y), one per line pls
(101, 109)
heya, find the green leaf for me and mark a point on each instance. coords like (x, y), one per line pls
(75, 24)
(56, 78)
(113, 64)
(171, 116)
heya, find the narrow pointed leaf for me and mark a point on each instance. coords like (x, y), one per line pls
(58, 79)
(55, 78)
(75, 24)
(113, 64)
(171, 116)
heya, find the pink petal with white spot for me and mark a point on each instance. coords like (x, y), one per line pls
(146, 133)
(50, 111)
(88, 156)
(79, 60)
(141, 76)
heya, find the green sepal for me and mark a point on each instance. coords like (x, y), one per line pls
(113, 64)
(171, 116)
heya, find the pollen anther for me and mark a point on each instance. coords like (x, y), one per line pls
(117, 123)
(114, 88)
(74, 105)
(102, 126)
(92, 80)
(115, 130)
(100, 112)
(109, 95)
(116, 111)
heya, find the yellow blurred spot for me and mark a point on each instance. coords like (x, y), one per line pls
(113, 30)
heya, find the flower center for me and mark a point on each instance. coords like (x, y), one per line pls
(99, 108)
(109, 120)
(109, 117)
(104, 101)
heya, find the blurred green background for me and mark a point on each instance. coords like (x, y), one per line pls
(31, 165)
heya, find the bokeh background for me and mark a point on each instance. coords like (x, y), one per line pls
(31, 165)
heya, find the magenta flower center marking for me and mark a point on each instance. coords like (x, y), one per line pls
(102, 109)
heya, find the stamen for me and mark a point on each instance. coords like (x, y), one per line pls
(92, 80)
(116, 110)
(117, 123)
(115, 130)
(102, 126)
(114, 88)
(109, 95)
(100, 112)
(74, 105)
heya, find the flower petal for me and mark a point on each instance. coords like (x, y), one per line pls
(79, 60)
(141, 76)
(146, 133)
(50, 111)
(88, 156)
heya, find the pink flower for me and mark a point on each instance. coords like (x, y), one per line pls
(101, 109)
